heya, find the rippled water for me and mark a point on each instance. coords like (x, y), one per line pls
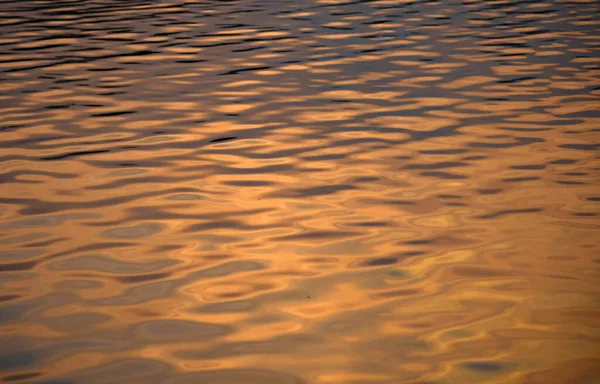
(301, 191)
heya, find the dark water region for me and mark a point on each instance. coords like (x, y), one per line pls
(306, 191)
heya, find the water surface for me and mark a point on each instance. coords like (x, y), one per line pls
(307, 191)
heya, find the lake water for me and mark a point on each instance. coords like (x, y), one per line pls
(298, 192)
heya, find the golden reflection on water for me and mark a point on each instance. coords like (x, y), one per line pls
(310, 191)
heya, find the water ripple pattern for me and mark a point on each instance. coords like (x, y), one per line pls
(299, 191)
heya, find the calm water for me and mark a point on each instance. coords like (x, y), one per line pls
(306, 191)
